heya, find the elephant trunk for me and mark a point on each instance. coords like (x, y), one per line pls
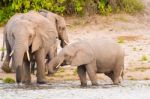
(64, 39)
(54, 64)
(19, 52)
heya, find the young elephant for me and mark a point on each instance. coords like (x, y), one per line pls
(94, 56)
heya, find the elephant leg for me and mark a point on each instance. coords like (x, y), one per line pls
(32, 63)
(26, 72)
(118, 71)
(33, 68)
(52, 53)
(110, 75)
(5, 67)
(91, 70)
(40, 57)
(81, 70)
(117, 76)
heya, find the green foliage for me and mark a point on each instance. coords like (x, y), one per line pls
(144, 58)
(69, 7)
(104, 8)
(61, 70)
(132, 6)
(121, 40)
(9, 80)
(75, 72)
(79, 4)
(2, 49)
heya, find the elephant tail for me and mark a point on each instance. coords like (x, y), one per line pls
(122, 74)
(3, 51)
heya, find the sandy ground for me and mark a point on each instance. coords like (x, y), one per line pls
(71, 90)
(133, 33)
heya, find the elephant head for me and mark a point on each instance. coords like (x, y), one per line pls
(76, 54)
(20, 35)
(60, 25)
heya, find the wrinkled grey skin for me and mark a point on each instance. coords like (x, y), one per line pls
(60, 24)
(93, 56)
(29, 32)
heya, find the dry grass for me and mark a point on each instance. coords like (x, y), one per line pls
(129, 37)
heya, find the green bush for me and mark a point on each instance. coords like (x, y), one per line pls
(68, 7)
(144, 58)
(75, 72)
(9, 80)
(132, 6)
(104, 8)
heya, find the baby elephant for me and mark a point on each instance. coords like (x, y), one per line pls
(94, 56)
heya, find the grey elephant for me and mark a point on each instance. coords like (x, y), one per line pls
(92, 56)
(60, 25)
(27, 35)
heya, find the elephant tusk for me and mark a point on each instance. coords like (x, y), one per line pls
(58, 65)
(11, 53)
(66, 42)
(45, 61)
(28, 56)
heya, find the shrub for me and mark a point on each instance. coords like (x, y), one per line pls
(104, 8)
(69, 7)
(144, 58)
(132, 6)
(121, 40)
(9, 80)
(75, 72)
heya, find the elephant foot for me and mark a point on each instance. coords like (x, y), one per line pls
(95, 84)
(117, 82)
(6, 69)
(42, 82)
(83, 84)
(26, 82)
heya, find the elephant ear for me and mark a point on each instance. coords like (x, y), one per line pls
(36, 43)
(82, 57)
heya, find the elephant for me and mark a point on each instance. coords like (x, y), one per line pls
(92, 56)
(60, 24)
(26, 35)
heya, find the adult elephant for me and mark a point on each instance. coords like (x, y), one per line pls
(93, 56)
(60, 24)
(34, 33)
